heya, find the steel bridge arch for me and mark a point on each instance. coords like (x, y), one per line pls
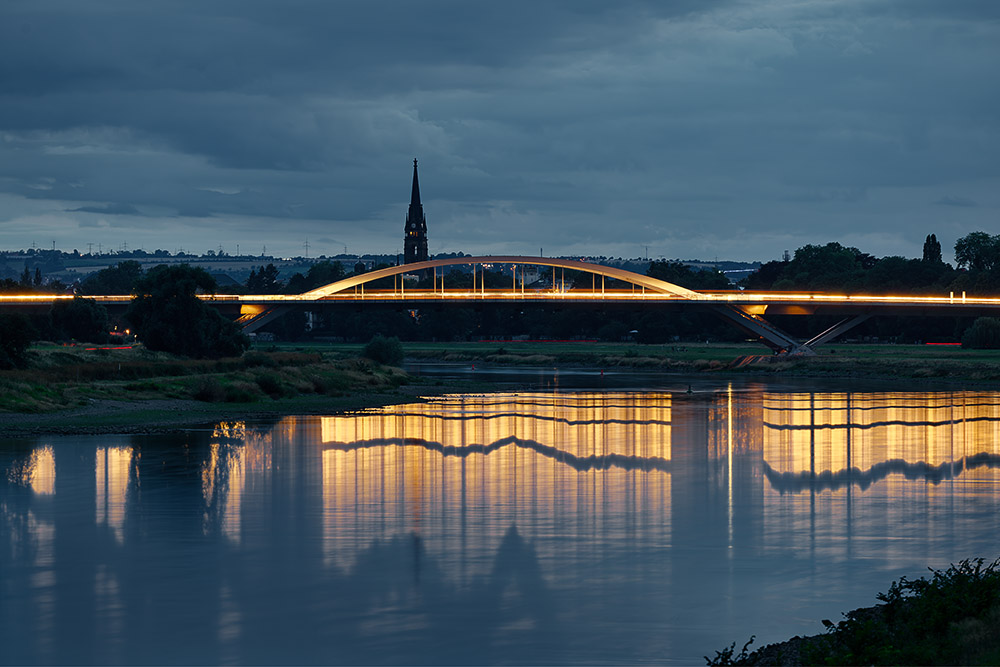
(660, 286)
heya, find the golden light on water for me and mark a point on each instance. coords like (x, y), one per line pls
(112, 470)
(584, 427)
(497, 459)
(42, 470)
(831, 433)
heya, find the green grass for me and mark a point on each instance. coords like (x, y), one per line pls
(67, 377)
(844, 360)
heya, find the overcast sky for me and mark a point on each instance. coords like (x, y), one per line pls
(699, 128)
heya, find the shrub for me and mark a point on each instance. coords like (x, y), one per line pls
(984, 334)
(242, 392)
(254, 359)
(924, 621)
(209, 390)
(269, 384)
(387, 351)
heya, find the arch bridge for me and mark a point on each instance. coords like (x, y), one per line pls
(743, 309)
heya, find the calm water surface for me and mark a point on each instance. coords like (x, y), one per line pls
(558, 525)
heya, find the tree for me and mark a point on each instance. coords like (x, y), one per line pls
(324, 273)
(984, 334)
(768, 274)
(685, 276)
(264, 280)
(932, 250)
(80, 319)
(16, 334)
(118, 279)
(978, 250)
(167, 315)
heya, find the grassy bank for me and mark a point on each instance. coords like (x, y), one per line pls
(83, 388)
(911, 362)
(950, 618)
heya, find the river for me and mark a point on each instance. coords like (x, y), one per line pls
(568, 518)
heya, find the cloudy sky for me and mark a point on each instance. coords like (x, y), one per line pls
(696, 128)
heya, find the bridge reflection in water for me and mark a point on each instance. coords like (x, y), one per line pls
(502, 459)
(774, 458)
(613, 527)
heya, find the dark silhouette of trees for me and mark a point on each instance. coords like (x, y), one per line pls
(978, 251)
(264, 281)
(80, 319)
(118, 279)
(833, 267)
(984, 334)
(319, 274)
(16, 334)
(932, 250)
(686, 276)
(167, 315)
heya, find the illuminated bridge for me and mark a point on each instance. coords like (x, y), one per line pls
(606, 285)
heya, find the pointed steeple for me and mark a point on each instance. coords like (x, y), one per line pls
(415, 192)
(415, 234)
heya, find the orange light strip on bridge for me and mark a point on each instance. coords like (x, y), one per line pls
(479, 295)
(714, 297)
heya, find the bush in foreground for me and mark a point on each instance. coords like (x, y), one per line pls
(953, 618)
(387, 351)
(949, 619)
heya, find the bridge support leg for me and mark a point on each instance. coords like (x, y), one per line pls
(251, 321)
(837, 329)
(770, 335)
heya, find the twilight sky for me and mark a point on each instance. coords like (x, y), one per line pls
(699, 128)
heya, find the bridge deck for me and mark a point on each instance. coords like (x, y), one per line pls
(404, 296)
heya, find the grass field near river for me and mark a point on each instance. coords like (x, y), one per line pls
(67, 388)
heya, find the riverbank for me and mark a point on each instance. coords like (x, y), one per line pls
(927, 364)
(128, 389)
(88, 389)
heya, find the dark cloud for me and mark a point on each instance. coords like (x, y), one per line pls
(736, 126)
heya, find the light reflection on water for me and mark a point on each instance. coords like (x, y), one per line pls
(533, 527)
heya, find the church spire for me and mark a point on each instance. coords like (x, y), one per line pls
(415, 234)
(415, 192)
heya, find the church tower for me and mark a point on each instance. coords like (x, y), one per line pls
(415, 239)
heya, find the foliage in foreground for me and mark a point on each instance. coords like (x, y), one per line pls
(952, 618)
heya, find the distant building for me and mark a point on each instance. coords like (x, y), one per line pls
(415, 239)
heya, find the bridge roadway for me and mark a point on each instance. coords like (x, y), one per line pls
(742, 308)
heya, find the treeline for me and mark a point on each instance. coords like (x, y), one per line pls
(833, 267)
(166, 316)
